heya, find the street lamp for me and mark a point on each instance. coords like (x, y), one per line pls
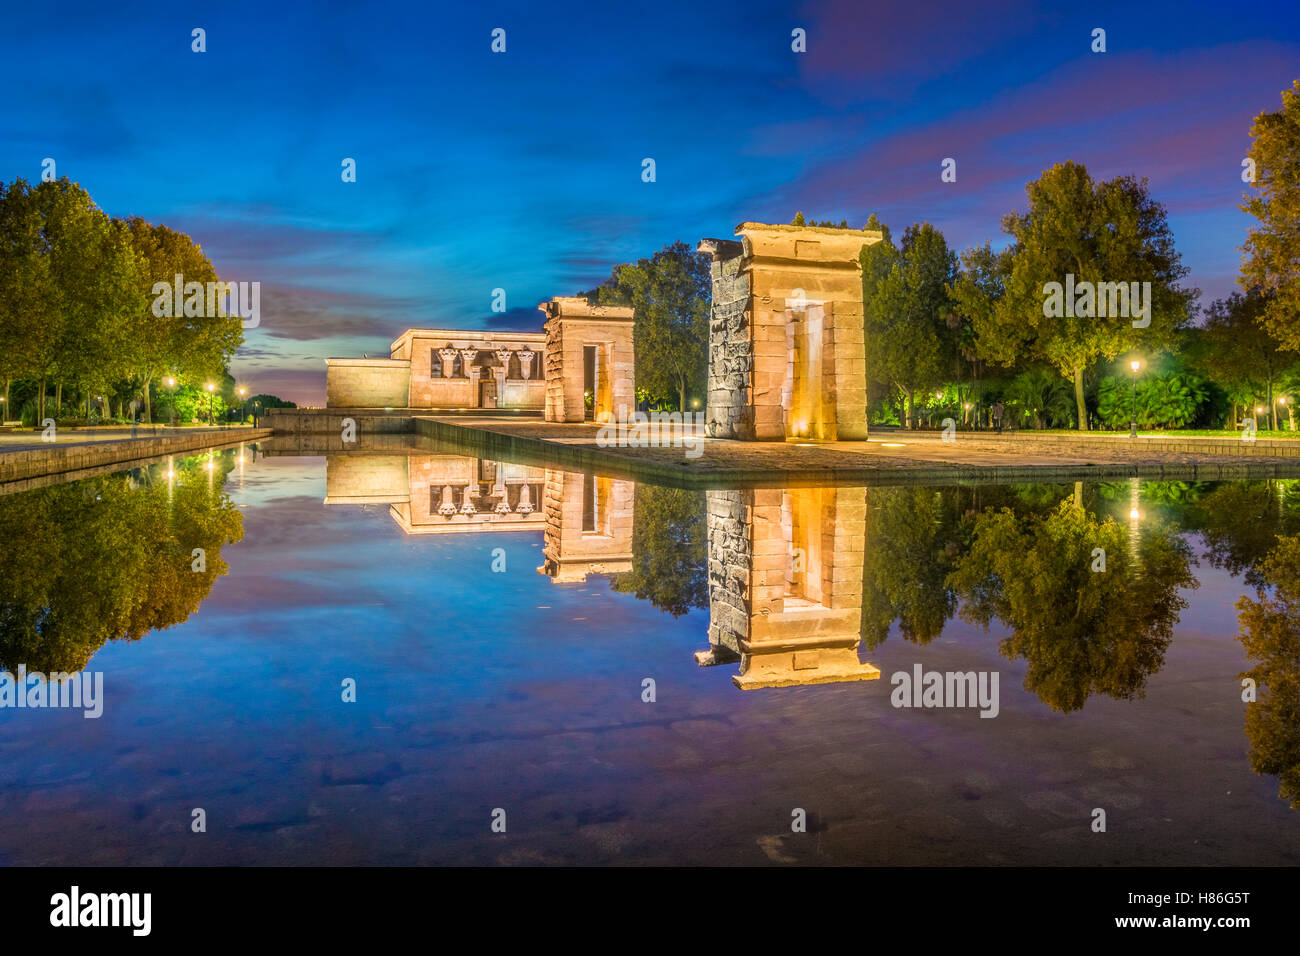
(211, 388)
(1133, 427)
(242, 392)
(256, 406)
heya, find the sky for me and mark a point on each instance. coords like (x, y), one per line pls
(522, 170)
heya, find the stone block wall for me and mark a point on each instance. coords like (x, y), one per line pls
(367, 383)
(425, 346)
(731, 350)
(730, 560)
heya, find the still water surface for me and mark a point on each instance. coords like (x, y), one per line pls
(482, 684)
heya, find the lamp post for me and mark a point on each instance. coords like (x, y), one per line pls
(242, 392)
(170, 382)
(1133, 426)
(211, 388)
(256, 406)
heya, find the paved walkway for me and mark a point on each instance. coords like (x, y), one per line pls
(687, 456)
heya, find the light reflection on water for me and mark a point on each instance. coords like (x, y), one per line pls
(480, 688)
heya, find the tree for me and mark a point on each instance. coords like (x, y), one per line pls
(822, 224)
(906, 302)
(94, 288)
(1166, 399)
(910, 547)
(1108, 232)
(1038, 397)
(670, 294)
(1239, 349)
(1271, 254)
(29, 313)
(271, 401)
(191, 346)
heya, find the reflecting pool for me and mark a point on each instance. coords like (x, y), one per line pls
(386, 657)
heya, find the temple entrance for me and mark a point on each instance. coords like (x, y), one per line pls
(810, 371)
(589, 381)
(487, 389)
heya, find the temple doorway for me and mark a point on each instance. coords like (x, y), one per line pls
(487, 390)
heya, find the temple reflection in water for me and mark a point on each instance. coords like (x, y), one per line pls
(785, 585)
(784, 567)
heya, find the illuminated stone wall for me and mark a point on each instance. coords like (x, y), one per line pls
(571, 326)
(367, 383)
(786, 348)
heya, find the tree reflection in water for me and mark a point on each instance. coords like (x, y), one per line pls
(1081, 631)
(108, 558)
(1270, 633)
(669, 550)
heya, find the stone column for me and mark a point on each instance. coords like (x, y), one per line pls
(501, 372)
(467, 357)
(503, 356)
(447, 358)
(526, 363)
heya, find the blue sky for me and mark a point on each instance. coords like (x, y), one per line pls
(522, 170)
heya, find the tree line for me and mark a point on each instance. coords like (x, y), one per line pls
(77, 328)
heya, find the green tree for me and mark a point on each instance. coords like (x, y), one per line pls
(1240, 351)
(1040, 398)
(29, 335)
(1240, 522)
(1170, 398)
(670, 294)
(109, 558)
(95, 288)
(1105, 232)
(906, 302)
(1271, 254)
(910, 548)
(191, 347)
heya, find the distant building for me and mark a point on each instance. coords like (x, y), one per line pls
(582, 350)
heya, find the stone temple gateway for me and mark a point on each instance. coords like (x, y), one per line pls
(786, 352)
